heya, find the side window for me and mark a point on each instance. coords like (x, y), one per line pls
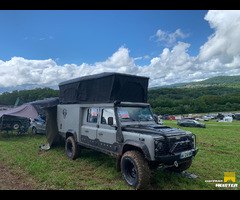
(92, 115)
(106, 113)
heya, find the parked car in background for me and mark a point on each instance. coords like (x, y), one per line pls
(190, 123)
(237, 116)
(212, 116)
(8, 122)
(38, 126)
(225, 119)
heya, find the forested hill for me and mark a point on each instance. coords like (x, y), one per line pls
(217, 94)
(9, 98)
(230, 81)
(194, 100)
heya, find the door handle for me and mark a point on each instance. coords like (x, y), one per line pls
(86, 131)
(100, 133)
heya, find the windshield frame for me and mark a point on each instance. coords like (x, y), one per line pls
(132, 120)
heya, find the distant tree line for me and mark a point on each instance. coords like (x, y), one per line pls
(194, 100)
(162, 100)
(9, 98)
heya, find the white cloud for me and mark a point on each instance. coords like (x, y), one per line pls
(168, 39)
(171, 66)
(142, 57)
(224, 44)
(146, 57)
(19, 71)
(220, 55)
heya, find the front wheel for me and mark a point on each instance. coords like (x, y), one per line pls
(135, 169)
(16, 125)
(71, 148)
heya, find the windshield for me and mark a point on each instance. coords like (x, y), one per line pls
(134, 114)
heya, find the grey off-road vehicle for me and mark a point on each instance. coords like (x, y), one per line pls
(108, 113)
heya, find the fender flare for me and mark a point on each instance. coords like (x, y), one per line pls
(71, 132)
(136, 144)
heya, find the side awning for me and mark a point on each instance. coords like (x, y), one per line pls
(25, 110)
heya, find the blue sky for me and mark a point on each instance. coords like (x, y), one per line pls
(90, 36)
(40, 48)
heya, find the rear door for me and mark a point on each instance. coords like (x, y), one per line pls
(106, 133)
(90, 125)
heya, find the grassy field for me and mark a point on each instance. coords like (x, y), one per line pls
(218, 153)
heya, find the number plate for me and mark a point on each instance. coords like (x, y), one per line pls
(185, 154)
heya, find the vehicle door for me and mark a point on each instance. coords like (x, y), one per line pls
(192, 123)
(90, 124)
(107, 133)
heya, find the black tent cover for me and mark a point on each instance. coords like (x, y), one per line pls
(104, 88)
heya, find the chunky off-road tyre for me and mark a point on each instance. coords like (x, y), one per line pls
(181, 167)
(71, 148)
(16, 125)
(135, 169)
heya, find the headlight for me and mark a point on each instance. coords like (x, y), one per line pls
(194, 141)
(192, 138)
(159, 146)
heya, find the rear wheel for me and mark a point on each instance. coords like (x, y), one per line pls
(135, 169)
(71, 148)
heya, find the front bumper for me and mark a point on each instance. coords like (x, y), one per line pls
(171, 158)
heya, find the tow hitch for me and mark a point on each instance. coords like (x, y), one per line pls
(175, 163)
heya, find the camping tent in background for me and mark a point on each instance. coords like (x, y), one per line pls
(25, 110)
(31, 109)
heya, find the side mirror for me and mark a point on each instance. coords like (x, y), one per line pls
(110, 121)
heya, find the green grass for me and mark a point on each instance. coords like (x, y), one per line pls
(218, 153)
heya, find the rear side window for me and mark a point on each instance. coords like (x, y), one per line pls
(92, 115)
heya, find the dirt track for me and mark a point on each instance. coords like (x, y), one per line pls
(10, 180)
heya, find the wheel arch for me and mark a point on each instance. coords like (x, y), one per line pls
(71, 132)
(136, 145)
(130, 145)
